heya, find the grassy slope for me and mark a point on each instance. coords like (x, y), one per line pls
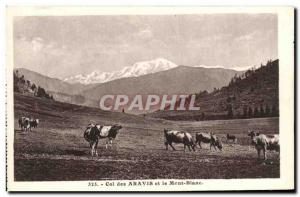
(56, 149)
(260, 88)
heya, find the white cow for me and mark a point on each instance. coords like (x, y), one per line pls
(178, 137)
(24, 123)
(264, 142)
(93, 133)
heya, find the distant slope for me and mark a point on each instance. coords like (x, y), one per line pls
(52, 84)
(179, 80)
(254, 94)
(74, 99)
(60, 90)
(23, 85)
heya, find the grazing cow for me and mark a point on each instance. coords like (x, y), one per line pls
(233, 138)
(178, 137)
(93, 133)
(210, 138)
(264, 142)
(34, 123)
(20, 121)
(24, 123)
(110, 133)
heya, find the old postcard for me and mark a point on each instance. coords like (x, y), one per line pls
(150, 98)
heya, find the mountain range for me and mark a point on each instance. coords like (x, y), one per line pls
(158, 77)
(178, 80)
(136, 70)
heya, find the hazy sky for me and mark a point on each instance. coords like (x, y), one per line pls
(61, 46)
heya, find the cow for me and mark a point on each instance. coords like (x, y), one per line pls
(20, 121)
(178, 137)
(24, 123)
(110, 133)
(264, 142)
(210, 138)
(233, 138)
(94, 132)
(34, 123)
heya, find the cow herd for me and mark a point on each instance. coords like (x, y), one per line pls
(94, 132)
(27, 123)
(261, 142)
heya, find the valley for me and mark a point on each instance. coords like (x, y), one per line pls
(57, 151)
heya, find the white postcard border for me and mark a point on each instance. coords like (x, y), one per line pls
(286, 98)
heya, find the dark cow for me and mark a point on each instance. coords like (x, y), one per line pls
(34, 123)
(264, 142)
(178, 137)
(210, 138)
(94, 132)
(232, 138)
(24, 123)
(20, 121)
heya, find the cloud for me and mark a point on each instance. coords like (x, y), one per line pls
(145, 33)
(39, 55)
(56, 45)
(246, 37)
(37, 44)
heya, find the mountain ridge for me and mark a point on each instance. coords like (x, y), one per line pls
(137, 69)
(176, 81)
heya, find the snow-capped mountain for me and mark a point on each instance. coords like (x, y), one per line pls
(136, 70)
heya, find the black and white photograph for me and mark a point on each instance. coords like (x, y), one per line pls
(167, 101)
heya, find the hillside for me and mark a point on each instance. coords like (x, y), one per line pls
(60, 90)
(75, 116)
(57, 151)
(77, 99)
(52, 84)
(253, 94)
(24, 86)
(179, 80)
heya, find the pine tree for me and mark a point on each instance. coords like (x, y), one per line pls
(267, 113)
(274, 112)
(245, 112)
(229, 111)
(22, 79)
(262, 111)
(41, 92)
(33, 87)
(256, 112)
(250, 112)
(202, 116)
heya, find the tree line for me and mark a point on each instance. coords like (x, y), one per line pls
(254, 112)
(22, 85)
